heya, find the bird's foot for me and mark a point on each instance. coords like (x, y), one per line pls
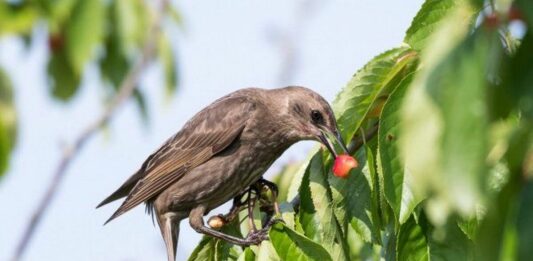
(257, 236)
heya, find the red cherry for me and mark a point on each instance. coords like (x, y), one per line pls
(56, 42)
(343, 164)
(492, 21)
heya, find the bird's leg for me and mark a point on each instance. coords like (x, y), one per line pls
(197, 223)
(251, 205)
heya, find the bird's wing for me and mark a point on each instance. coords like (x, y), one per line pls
(206, 134)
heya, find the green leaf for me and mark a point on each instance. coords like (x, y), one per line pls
(519, 77)
(294, 187)
(212, 249)
(114, 65)
(283, 180)
(411, 242)
(83, 32)
(447, 242)
(247, 255)
(445, 116)
(166, 57)
(500, 217)
(65, 82)
(524, 226)
(8, 124)
(429, 18)
(56, 12)
(378, 214)
(367, 86)
(291, 245)
(5, 143)
(352, 199)
(129, 18)
(526, 7)
(316, 209)
(17, 18)
(266, 252)
(397, 180)
(141, 103)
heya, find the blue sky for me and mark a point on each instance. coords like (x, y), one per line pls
(223, 47)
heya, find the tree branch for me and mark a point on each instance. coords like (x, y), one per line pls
(126, 89)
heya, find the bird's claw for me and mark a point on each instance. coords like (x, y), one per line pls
(257, 236)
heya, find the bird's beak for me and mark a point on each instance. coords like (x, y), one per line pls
(324, 137)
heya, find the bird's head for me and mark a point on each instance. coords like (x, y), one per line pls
(309, 117)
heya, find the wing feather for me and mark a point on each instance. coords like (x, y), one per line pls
(206, 134)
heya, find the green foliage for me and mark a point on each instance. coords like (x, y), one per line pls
(109, 34)
(81, 34)
(367, 86)
(8, 125)
(214, 249)
(397, 179)
(448, 175)
(290, 245)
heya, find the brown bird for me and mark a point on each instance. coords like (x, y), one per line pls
(220, 153)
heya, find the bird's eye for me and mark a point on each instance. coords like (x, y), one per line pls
(316, 116)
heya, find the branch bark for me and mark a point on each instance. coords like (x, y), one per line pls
(126, 89)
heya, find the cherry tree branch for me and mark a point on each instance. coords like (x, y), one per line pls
(126, 90)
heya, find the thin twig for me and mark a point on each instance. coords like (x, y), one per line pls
(126, 89)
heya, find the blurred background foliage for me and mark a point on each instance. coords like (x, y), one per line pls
(447, 176)
(107, 34)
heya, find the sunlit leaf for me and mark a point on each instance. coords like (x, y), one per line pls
(17, 18)
(444, 125)
(352, 200)
(266, 252)
(294, 187)
(8, 124)
(291, 245)
(283, 179)
(83, 32)
(317, 215)
(129, 18)
(396, 177)
(373, 81)
(429, 19)
(247, 255)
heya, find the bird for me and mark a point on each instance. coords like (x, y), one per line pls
(222, 151)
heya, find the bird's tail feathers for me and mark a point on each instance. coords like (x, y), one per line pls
(169, 224)
(124, 190)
